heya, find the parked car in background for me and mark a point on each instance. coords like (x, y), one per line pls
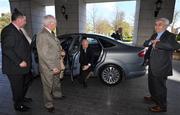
(113, 59)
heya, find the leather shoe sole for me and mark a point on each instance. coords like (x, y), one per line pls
(148, 98)
(51, 109)
(22, 108)
(60, 98)
(157, 109)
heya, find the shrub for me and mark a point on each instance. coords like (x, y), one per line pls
(178, 37)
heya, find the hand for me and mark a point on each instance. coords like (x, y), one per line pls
(154, 42)
(56, 71)
(63, 53)
(85, 67)
(23, 64)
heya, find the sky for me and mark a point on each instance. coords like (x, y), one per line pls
(110, 9)
(107, 10)
(177, 8)
(104, 10)
(4, 6)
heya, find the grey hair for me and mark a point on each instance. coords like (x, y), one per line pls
(165, 20)
(48, 19)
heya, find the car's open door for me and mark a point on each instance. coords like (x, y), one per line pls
(73, 56)
(75, 69)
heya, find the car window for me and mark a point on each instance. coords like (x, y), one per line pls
(92, 41)
(97, 48)
(75, 44)
(66, 43)
(105, 43)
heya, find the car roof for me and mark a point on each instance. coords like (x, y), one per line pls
(88, 34)
(91, 34)
(117, 42)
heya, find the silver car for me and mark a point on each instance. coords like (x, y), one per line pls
(113, 59)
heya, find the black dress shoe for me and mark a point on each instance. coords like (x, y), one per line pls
(60, 98)
(21, 108)
(85, 85)
(28, 100)
(51, 109)
(79, 81)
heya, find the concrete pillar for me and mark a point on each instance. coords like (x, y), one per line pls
(33, 10)
(76, 12)
(144, 19)
(37, 14)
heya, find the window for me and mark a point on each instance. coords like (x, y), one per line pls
(66, 44)
(96, 47)
(106, 44)
(92, 41)
(76, 45)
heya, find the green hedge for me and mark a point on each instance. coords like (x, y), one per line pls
(127, 39)
(178, 37)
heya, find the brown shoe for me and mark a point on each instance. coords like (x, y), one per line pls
(148, 98)
(157, 109)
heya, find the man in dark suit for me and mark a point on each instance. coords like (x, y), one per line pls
(118, 35)
(86, 61)
(160, 65)
(16, 59)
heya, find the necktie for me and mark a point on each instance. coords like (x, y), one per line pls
(21, 31)
(53, 33)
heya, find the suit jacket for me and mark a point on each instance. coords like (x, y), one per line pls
(49, 49)
(86, 57)
(15, 49)
(161, 55)
(117, 36)
(146, 44)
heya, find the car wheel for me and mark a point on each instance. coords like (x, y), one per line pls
(111, 74)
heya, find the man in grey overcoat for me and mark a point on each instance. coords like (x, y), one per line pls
(49, 54)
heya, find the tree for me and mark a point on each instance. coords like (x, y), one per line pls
(4, 20)
(175, 19)
(103, 27)
(120, 22)
(91, 25)
(119, 17)
(127, 29)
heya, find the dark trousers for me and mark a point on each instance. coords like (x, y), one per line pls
(84, 74)
(19, 86)
(157, 89)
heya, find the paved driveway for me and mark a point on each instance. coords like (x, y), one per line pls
(125, 98)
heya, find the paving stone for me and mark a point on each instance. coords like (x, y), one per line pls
(125, 98)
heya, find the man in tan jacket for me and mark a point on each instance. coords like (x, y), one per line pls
(49, 54)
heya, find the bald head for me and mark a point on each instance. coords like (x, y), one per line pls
(85, 43)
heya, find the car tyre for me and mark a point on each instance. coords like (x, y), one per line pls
(111, 74)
